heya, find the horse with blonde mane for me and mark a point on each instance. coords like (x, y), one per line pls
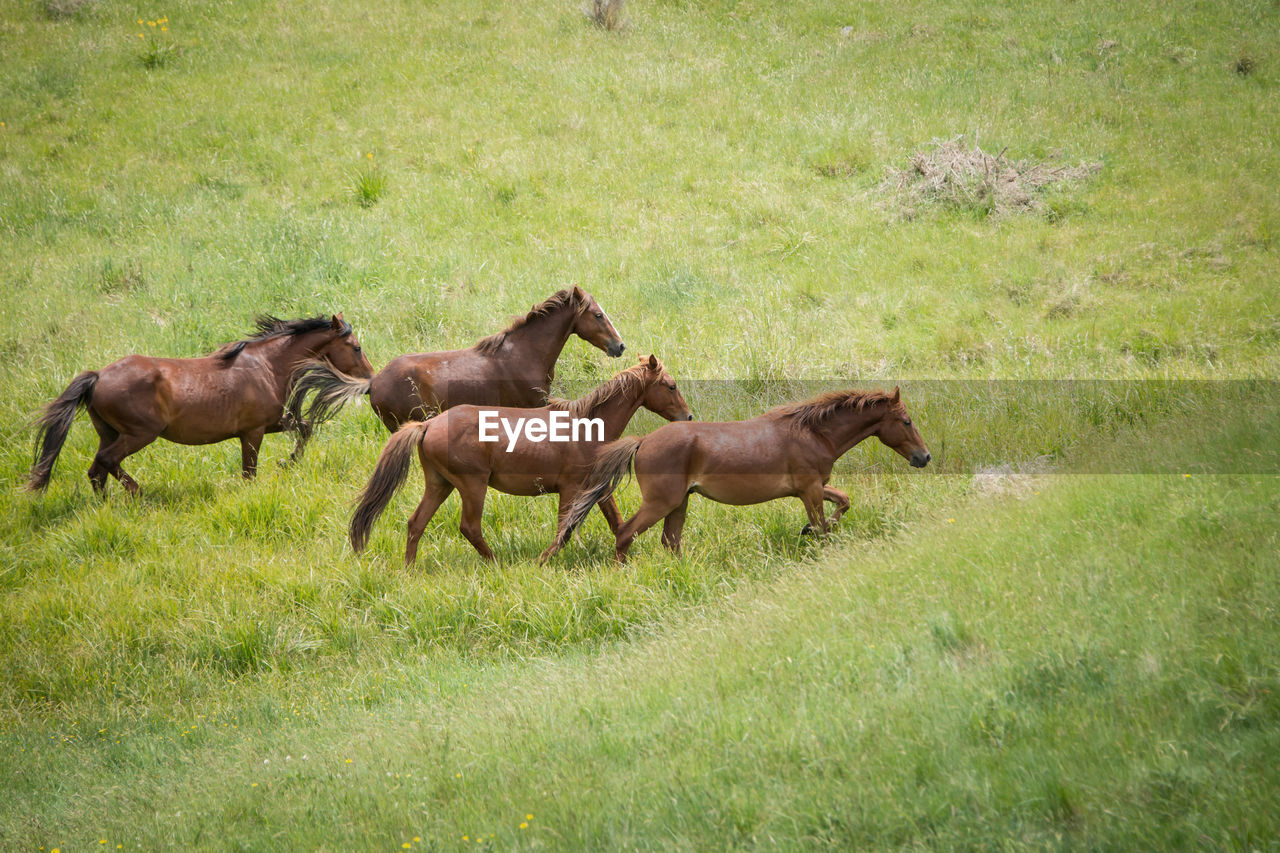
(788, 451)
(453, 456)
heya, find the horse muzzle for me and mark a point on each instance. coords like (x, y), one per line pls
(615, 349)
(920, 458)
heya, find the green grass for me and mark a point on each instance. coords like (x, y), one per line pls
(1076, 661)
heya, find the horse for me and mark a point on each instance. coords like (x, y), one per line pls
(511, 368)
(786, 452)
(239, 391)
(454, 456)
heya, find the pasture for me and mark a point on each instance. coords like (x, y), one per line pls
(1061, 634)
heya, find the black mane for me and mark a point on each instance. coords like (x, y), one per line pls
(273, 327)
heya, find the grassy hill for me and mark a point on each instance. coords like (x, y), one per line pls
(997, 651)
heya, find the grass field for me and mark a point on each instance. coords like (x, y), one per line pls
(996, 652)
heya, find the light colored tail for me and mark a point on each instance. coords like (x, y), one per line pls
(613, 463)
(389, 475)
(55, 423)
(333, 390)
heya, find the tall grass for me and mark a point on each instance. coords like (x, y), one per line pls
(1029, 659)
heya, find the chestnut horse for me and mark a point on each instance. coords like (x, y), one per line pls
(512, 368)
(786, 452)
(453, 456)
(238, 391)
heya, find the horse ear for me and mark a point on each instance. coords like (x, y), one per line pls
(579, 295)
(653, 362)
(896, 396)
(335, 322)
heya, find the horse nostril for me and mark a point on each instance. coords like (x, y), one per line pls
(690, 417)
(621, 347)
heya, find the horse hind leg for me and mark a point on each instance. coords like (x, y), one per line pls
(673, 526)
(649, 514)
(107, 434)
(473, 494)
(108, 459)
(435, 493)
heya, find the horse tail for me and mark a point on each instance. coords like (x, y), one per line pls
(332, 387)
(388, 476)
(613, 463)
(54, 424)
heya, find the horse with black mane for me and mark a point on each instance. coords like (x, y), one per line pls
(511, 368)
(788, 451)
(239, 391)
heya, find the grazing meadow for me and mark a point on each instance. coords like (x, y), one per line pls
(1054, 226)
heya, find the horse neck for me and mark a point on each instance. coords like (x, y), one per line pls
(282, 355)
(848, 427)
(540, 340)
(617, 410)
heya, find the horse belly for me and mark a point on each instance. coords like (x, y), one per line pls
(524, 484)
(743, 489)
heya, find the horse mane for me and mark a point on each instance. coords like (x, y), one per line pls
(625, 382)
(813, 412)
(557, 300)
(269, 327)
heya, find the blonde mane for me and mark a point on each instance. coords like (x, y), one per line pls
(813, 412)
(631, 380)
(557, 300)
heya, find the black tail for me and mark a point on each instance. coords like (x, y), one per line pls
(333, 388)
(613, 463)
(388, 476)
(55, 423)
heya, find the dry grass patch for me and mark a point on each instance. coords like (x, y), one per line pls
(606, 14)
(954, 176)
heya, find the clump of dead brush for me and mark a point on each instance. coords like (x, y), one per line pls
(606, 14)
(954, 176)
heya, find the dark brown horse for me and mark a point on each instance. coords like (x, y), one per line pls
(453, 456)
(237, 392)
(786, 452)
(512, 368)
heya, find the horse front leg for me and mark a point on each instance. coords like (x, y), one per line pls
(811, 497)
(249, 444)
(304, 430)
(840, 499)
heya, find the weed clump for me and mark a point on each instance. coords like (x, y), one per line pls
(56, 9)
(367, 183)
(606, 14)
(954, 176)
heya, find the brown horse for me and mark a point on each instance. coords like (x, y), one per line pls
(238, 391)
(454, 456)
(512, 368)
(786, 452)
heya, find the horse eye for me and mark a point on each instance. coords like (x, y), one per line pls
(357, 348)
(599, 315)
(906, 421)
